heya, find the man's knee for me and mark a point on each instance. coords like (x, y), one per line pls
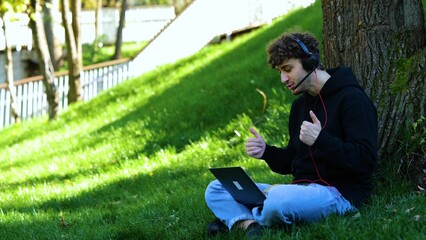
(213, 187)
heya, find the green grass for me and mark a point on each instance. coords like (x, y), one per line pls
(132, 163)
(91, 56)
(105, 53)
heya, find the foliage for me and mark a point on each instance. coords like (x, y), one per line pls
(132, 163)
(13, 6)
(412, 149)
(91, 4)
(90, 56)
(416, 137)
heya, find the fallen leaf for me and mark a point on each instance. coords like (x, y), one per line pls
(64, 224)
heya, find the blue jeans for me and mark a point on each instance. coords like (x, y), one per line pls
(284, 204)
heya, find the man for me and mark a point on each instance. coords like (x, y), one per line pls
(331, 153)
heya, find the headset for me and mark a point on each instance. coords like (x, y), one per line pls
(309, 63)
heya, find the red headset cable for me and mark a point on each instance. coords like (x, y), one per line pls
(310, 148)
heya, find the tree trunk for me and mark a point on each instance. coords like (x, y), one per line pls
(76, 10)
(55, 48)
(384, 42)
(119, 39)
(98, 18)
(73, 51)
(98, 26)
(9, 74)
(46, 67)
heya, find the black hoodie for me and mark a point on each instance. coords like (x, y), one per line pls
(345, 152)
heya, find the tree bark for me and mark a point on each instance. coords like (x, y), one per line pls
(73, 50)
(53, 43)
(76, 10)
(384, 42)
(46, 67)
(119, 38)
(10, 86)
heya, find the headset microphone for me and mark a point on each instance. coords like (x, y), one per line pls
(303, 79)
(311, 62)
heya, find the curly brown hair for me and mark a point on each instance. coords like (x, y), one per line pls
(285, 47)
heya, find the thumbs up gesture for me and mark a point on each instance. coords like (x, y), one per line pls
(309, 131)
(255, 147)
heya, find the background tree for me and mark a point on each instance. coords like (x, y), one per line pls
(119, 38)
(50, 7)
(98, 24)
(7, 7)
(74, 48)
(45, 64)
(384, 42)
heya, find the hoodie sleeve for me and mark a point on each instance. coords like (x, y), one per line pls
(356, 150)
(279, 160)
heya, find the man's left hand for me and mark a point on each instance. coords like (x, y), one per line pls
(309, 131)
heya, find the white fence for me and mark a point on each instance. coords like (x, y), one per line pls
(31, 99)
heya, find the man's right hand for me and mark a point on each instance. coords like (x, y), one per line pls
(255, 147)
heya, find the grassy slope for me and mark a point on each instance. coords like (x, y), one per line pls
(132, 163)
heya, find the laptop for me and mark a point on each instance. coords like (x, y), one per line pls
(241, 187)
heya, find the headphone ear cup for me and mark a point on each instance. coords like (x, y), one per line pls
(310, 63)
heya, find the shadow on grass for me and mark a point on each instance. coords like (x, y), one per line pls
(205, 101)
(193, 108)
(141, 206)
